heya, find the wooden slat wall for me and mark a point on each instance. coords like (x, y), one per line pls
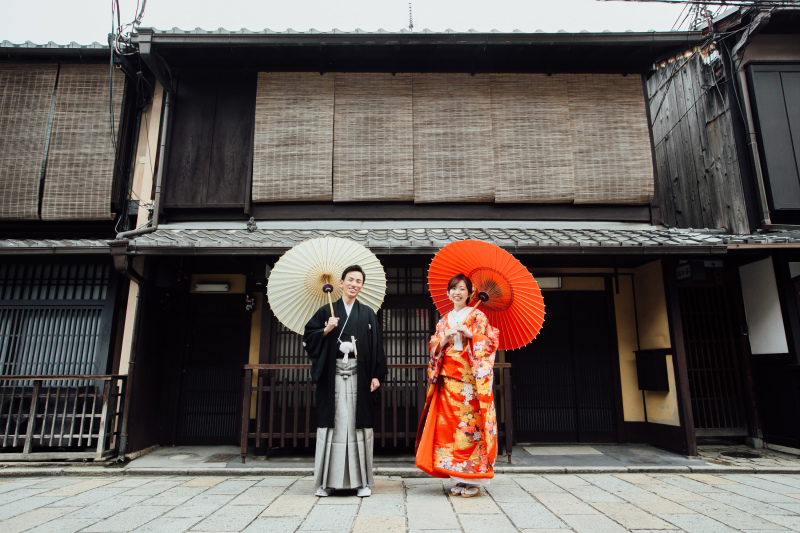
(26, 94)
(610, 139)
(532, 142)
(373, 154)
(293, 143)
(695, 146)
(80, 164)
(453, 157)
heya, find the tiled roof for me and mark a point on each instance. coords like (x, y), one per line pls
(430, 240)
(30, 45)
(419, 240)
(49, 246)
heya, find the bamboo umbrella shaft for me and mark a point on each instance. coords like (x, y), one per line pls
(330, 302)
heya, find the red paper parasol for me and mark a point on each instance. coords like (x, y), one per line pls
(515, 305)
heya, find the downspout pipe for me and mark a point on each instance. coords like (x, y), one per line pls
(737, 56)
(159, 174)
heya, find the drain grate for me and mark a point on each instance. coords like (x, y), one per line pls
(221, 458)
(741, 455)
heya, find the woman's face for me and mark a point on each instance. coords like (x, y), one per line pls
(458, 295)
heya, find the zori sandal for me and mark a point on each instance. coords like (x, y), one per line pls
(457, 489)
(469, 492)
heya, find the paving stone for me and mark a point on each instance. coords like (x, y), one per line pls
(17, 484)
(230, 518)
(302, 487)
(763, 484)
(761, 495)
(79, 488)
(386, 486)
(201, 505)
(783, 479)
(691, 484)
(730, 515)
(655, 504)
(563, 503)
(340, 497)
(793, 507)
(540, 530)
(425, 493)
(593, 524)
(696, 523)
(89, 497)
(174, 496)
(481, 523)
(168, 525)
(592, 494)
(679, 495)
(132, 482)
(437, 514)
(611, 483)
(107, 507)
(56, 483)
(639, 479)
(747, 505)
(18, 507)
(231, 486)
(482, 504)
(63, 525)
(20, 494)
(384, 524)
(330, 518)
(530, 515)
(538, 484)
(154, 487)
(274, 524)
(566, 481)
(290, 505)
(203, 482)
(710, 479)
(509, 493)
(382, 505)
(790, 522)
(257, 496)
(276, 481)
(128, 520)
(630, 516)
(31, 519)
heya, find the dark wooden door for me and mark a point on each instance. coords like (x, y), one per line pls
(715, 383)
(563, 380)
(218, 331)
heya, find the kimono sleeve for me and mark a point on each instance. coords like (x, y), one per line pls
(315, 343)
(435, 363)
(380, 355)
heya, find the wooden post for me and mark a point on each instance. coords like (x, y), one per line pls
(246, 390)
(31, 416)
(509, 413)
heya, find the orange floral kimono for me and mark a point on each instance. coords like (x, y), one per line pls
(457, 433)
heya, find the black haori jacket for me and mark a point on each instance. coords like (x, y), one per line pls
(323, 352)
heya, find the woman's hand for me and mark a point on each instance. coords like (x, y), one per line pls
(464, 330)
(374, 385)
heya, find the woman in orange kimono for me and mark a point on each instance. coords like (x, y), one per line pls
(457, 435)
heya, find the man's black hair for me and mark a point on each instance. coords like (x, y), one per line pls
(355, 268)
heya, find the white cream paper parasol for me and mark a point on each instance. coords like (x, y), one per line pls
(294, 289)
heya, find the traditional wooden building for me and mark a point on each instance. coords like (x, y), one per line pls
(548, 145)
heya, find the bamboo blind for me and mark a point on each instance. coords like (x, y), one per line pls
(373, 152)
(293, 141)
(453, 157)
(26, 95)
(81, 159)
(610, 139)
(532, 143)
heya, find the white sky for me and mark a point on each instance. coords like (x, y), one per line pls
(85, 21)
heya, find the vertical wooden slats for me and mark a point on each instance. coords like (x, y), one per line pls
(81, 158)
(25, 104)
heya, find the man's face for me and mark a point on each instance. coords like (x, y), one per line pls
(352, 284)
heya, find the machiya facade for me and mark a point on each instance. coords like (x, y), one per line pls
(246, 144)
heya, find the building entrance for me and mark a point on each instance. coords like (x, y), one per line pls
(563, 380)
(217, 333)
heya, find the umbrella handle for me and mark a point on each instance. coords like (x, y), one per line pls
(481, 297)
(328, 289)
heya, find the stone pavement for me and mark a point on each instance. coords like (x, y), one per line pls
(531, 503)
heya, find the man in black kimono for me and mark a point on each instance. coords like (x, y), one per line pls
(348, 364)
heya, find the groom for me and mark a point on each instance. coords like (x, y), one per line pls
(347, 364)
